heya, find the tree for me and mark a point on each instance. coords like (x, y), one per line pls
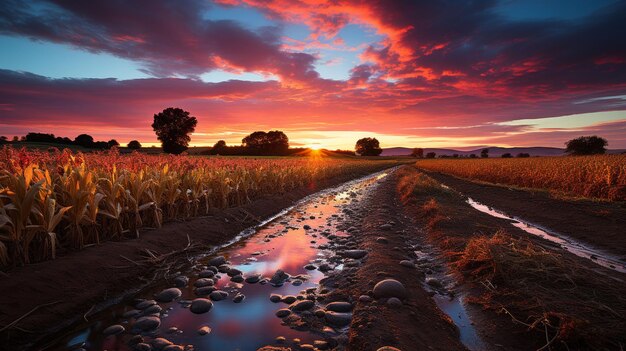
(16, 138)
(507, 155)
(218, 148)
(484, 153)
(172, 127)
(3, 139)
(134, 145)
(586, 145)
(271, 143)
(431, 155)
(113, 143)
(417, 152)
(523, 155)
(472, 156)
(368, 147)
(84, 140)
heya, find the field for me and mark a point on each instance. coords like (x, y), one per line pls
(71, 200)
(600, 177)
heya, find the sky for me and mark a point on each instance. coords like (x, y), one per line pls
(435, 73)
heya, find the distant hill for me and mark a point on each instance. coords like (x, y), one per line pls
(493, 151)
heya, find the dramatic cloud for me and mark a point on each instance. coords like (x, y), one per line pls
(439, 70)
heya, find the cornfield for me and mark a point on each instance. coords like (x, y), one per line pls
(601, 177)
(52, 199)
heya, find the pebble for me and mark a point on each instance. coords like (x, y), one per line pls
(302, 305)
(394, 302)
(338, 318)
(382, 240)
(339, 306)
(306, 227)
(283, 312)
(388, 348)
(310, 267)
(386, 226)
(407, 263)
(205, 290)
(239, 297)
(145, 304)
(275, 298)
(168, 295)
(280, 339)
(321, 344)
(173, 348)
(204, 330)
(114, 330)
(234, 272)
(181, 281)
(307, 347)
(237, 279)
(356, 254)
(142, 346)
(365, 299)
(217, 261)
(279, 278)
(204, 282)
(131, 313)
(289, 299)
(147, 323)
(390, 288)
(200, 305)
(434, 282)
(207, 273)
(253, 279)
(154, 309)
(218, 295)
(160, 343)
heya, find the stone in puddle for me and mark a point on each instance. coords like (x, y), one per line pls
(173, 348)
(321, 344)
(233, 272)
(279, 278)
(218, 295)
(365, 299)
(152, 310)
(275, 298)
(338, 318)
(160, 343)
(181, 281)
(204, 291)
(283, 312)
(114, 330)
(168, 295)
(145, 304)
(302, 305)
(147, 323)
(310, 267)
(207, 273)
(237, 279)
(131, 313)
(200, 305)
(204, 282)
(142, 346)
(253, 279)
(339, 306)
(239, 297)
(356, 254)
(390, 288)
(217, 261)
(289, 299)
(325, 267)
(204, 330)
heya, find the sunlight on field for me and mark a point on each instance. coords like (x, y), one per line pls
(602, 176)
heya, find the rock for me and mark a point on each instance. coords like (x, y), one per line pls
(204, 282)
(365, 299)
(142, 347)
(233, 272)
(218, 295)
(114, 330)
(319, 313)
(172, 330)
(160, 343)
(253, 279)
(237, 279)
(154, 309)
(388, 348)
(279, 278)
(307, 347)
(173, 348)
(302, 305)
(204, 330)
(136, 339)
(145, 304)
(223, 268)
(280, 340)
(338, 318)
(394, 302)
(297, 282)
(239, 297)
(131, 313)
(207, 273)
(324, 267)
(205, 290)
(200, 305)
(310, 267)
(181, 281)
(339, 306)
(434, 282)
(283, 312)
(289, 299)
(217, 261)
(168, 295)
(356, 254)
(147, 323)
(390, 288)
(382, 240)
(407, 264)
(306, 227)
(321, 345)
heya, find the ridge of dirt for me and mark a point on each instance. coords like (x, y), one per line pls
(600, 224)
(50, 295)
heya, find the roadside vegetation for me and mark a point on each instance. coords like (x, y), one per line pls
(598, 176)
(59, 199)
(563, 303)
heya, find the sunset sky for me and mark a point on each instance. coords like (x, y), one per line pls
(411, 73)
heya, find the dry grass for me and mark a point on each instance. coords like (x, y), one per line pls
(575, 306)
(602, 177)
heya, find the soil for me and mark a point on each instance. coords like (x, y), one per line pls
(51, 295)
(598, 223)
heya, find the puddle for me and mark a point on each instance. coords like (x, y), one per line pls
(601, 258)
(448, 300)
(288, 241)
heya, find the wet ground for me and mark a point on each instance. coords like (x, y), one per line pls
(243, 317)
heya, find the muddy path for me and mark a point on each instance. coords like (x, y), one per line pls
(47, 297)
(309, 279)
(597, 224)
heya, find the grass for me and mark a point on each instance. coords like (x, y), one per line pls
(600, 177)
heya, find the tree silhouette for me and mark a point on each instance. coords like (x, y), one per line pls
(271, 143)
(586, 145)
(417, 152)
(172, 127)
(431, 155)
(113, 143)
(219, 147)
(84, 140)
(368, 147)
(484, 153)
(134, 145)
